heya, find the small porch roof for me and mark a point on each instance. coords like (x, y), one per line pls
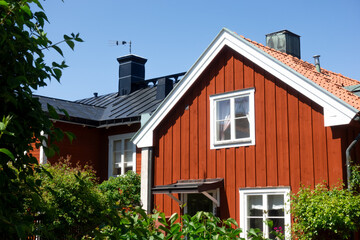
(189, 186)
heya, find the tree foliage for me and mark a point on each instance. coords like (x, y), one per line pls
(23, 44)
(72, 204)
(324, 213)
(123, 190)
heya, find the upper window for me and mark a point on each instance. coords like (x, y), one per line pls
(259, 205)
(232, 120)
(122, 154)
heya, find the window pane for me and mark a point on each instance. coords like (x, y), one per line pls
(255, 223)
(128, 156)
(223, 109)
(117, 145)
(255, 205)
(128, 144)
(223, 130)
(128, 169)
(198, 202)
(117, 157)
(117, 171)
(241, 106)
(279, 225)
(276, 205)
(242, 128)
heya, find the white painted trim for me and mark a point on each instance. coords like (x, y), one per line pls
(234, 142)
(111, 148)
(336, 111)
(146, 179)
(43, 157)
(244, 192)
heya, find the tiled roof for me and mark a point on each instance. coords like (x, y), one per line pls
(330, 81)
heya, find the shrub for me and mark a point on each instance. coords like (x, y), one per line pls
(321, 213)
(123, 190)
(72, 206)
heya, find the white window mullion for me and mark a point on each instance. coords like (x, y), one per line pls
(122, 157)
(232, 119)
(265, 215)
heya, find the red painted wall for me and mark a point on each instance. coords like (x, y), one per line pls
(90, 147)
(292, 144)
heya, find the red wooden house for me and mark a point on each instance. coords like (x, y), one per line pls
(104, 124)
(246, 125)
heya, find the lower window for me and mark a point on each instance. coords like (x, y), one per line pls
(195, 202)
(257, 205)
(122, 154)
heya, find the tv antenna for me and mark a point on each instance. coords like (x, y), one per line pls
(117, 43)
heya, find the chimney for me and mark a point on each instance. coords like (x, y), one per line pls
(164, 86)
(131, 74)
(317, 63)
(284, 41)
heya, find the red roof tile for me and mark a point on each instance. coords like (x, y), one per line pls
(330, 81)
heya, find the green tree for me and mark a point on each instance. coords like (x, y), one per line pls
(73, 206)
(323, 213)
(23, 43)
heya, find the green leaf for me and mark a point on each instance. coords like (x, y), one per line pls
(70, 136)
(71, 44)
(26, 9)
(58, 50)
(57, 73)
(52, 112)
(4, 3)
(7, 152)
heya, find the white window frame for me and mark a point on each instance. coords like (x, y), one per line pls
(245, 192)
(214, 144)
(111, 159)
(214, 193)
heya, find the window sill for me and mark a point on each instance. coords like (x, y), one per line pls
(231, 144)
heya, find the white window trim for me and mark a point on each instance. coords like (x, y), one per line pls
(244, 192)
(238, 142)
(214, 193)
(111, 148)
(42, 155)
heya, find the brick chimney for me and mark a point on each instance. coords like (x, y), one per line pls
(131, 74)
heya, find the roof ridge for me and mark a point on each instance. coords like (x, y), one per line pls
(299, 59)
(63, 100)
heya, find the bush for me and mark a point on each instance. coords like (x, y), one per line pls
(321, 213)
(72, 206)
(123, 191)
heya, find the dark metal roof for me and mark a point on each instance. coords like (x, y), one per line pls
(75, 110)
(189, 186)
(109, 108)
(355, 89)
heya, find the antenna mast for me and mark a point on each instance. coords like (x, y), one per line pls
(124, 43)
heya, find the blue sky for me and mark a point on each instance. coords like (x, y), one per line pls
(173, 34)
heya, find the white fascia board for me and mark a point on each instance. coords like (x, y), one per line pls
(336, 111)
(144, 137)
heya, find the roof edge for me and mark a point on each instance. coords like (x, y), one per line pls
(336, 111)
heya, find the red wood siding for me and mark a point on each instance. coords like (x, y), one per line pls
(292, 144)
(91, 146)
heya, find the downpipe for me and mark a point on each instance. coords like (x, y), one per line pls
(348, 160)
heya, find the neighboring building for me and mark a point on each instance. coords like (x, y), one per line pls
(103, 125)
(246, 125)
